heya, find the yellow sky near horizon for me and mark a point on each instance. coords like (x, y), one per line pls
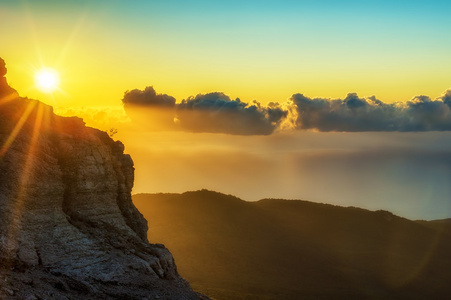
(82, 86)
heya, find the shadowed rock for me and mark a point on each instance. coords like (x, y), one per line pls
(6, 92)
(68, 227)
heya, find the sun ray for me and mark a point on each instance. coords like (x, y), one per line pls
(17, 214)
(70, 39)
(32, 27)
(8, 98)
(17, 128)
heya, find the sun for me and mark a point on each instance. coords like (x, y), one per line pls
(47, 80)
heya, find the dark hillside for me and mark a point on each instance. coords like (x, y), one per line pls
(286, 249)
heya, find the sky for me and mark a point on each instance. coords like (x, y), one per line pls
(263, 50)
(343, 102)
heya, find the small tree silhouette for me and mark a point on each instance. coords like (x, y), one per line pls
(111, 132)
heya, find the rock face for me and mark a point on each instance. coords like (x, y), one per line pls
(68, 227)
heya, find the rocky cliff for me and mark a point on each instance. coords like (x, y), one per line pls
(68, 227)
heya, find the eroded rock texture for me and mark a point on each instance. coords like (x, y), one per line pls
(68, 227)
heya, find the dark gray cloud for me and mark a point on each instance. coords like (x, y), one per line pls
(212, 112)
(370, 114)
(446, 97)
(148, 97)
(150, 110)
(216, 112)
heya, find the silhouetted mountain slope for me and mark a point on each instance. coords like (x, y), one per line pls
(287, 249)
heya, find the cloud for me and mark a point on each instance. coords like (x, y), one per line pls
(446, 98)
(404, 172)
(99, 117)
(148, 97)
(150, 110)
(216, 112)
(354, 114)
(212, 112)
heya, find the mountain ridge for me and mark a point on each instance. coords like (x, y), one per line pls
(291, 249)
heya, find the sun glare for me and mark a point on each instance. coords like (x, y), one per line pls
(47, 80)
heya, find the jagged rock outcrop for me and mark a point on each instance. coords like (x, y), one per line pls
(68, 227)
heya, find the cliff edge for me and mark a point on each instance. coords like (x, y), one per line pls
(68, 227)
